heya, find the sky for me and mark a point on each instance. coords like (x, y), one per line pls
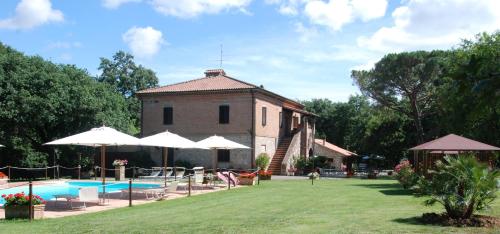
(301, 49)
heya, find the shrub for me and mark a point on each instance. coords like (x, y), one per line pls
(21, 199)
(262, 161)
(462, 185)
(302, 163)
(405, 174)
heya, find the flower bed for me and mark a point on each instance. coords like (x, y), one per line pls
(246, 179)
(17, 206)
(265, 175)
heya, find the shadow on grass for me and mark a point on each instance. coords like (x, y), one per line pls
(388, 189)
(411, 220)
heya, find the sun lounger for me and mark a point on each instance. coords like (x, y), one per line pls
(87, 194)
(223, 176)
(179, 173)
(157, 173)
(148, 192)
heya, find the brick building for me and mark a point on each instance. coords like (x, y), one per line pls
(245, 113)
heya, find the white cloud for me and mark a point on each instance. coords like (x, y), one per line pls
(113, 4)
(337, 13)
(32, 13)
(64, 45)
(287, 7)
(367, 66)
(143, 42)
(65, 57)
(428, 24)
(194, 8)
(306, 33)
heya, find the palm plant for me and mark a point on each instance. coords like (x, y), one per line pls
(462, 185)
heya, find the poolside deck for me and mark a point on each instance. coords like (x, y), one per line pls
(62, 208)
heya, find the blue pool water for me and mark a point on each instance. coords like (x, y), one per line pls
(47, 192)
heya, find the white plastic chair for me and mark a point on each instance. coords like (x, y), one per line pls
(87, 194)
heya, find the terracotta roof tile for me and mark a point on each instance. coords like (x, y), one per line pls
(333, 147)
(453, 142)
(220, 82)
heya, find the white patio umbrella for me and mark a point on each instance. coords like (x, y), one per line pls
(98, 137)
(167, 140)
(217, 142)
(2, 145)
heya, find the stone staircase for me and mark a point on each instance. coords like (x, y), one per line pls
(275, 165)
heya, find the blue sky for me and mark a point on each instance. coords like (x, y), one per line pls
(298, 48)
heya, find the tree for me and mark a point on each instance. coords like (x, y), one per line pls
(470, 94)
(362, 127)
(403, 82)
(41, 101)
(126, 78)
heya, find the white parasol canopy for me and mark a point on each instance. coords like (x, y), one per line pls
(2, 146)
(96, 137)
(217, 142)
(167, 139)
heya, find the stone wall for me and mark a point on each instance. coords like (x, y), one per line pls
(321, 150)
(266, 145)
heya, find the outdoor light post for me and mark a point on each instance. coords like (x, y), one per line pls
(314, 170)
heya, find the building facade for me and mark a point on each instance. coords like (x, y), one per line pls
(221, 105)
(336, 156)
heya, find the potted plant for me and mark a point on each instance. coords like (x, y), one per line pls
(17, 206)
(265, 175)
(262, 161)
(291, 171)
(350, 173)
(120, 168)
(246, 179)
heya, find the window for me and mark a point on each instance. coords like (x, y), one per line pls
(264, 116)
(281, 119)
(295, 122)
(168, 115)
(224, 114)
(223, 155)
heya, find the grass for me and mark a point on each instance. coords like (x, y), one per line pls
(331, 205)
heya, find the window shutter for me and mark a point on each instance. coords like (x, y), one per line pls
(168, 115)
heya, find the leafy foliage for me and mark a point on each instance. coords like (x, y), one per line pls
(405, 174)
(262, 161)
(126, 78)
(41, 101)
(404, 82)
(363, 127)
(462, 185)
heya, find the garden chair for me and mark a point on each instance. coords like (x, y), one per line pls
(87, 194)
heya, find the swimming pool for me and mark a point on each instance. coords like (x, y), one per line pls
(48, 191)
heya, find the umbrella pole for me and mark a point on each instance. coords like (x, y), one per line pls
(165, 156)
(103, 172)
(214, 163)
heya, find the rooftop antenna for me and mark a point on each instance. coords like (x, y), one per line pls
(220, 61)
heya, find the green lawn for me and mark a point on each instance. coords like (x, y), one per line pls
(331, 205)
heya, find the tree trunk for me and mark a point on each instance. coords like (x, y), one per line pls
(417, 120)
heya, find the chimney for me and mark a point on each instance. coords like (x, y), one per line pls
(214, 72)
